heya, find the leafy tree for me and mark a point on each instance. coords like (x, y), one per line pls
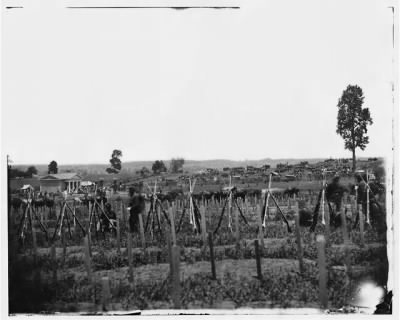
(159, 167)
(53, 167)
(352, 120)
(16, 173)
(176, 164)
(115, 162)
(31, 171)
(144, 171)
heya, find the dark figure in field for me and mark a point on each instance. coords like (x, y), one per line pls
(240, 194)
(305, 217)
(111, 222)
(16, 203)
(86, 200)
(308, 218)
(137, 206)
(334, 194)
(38, 203)
(290, 192)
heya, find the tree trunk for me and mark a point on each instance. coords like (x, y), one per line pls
(354, 160)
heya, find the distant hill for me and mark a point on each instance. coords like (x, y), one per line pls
(190, 165)
(95, 172)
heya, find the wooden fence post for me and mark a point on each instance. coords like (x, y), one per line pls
(64, 245)
(54, 261)
(327, 226)
(130, 275)
(46, 215)
(361, 219)
(34, 241)
(260, 230)
(237, 227)
(30, 221)
(89, 210)
(141, 228)
(176, 286)
(105, 284)
(42, 215)
(258, 259)
(298, 238)
(210, 242)
(210, 215)
(158, 210)
(172, 219)
(323, 295)
(89, 235)
(87, 259)
(203, 226)
(123, 212)
(344, 225)
(353, 207)
(169, 247)
(74, 215)
(346, 243)
(118, 236)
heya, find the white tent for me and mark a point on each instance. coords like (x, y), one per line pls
(87, 183)
(27, 187)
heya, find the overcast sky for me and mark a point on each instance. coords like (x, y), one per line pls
(261, 81)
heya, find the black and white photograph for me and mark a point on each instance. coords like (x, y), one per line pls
(200, 157)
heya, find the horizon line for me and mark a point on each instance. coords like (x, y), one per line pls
(200, 160)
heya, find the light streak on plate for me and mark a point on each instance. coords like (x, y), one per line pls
(368, 295)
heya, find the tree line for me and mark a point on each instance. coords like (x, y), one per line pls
(158, 166)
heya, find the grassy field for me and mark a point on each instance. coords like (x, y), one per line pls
(34, 286)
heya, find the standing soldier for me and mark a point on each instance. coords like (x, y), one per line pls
(111, 222)
(137, 206)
